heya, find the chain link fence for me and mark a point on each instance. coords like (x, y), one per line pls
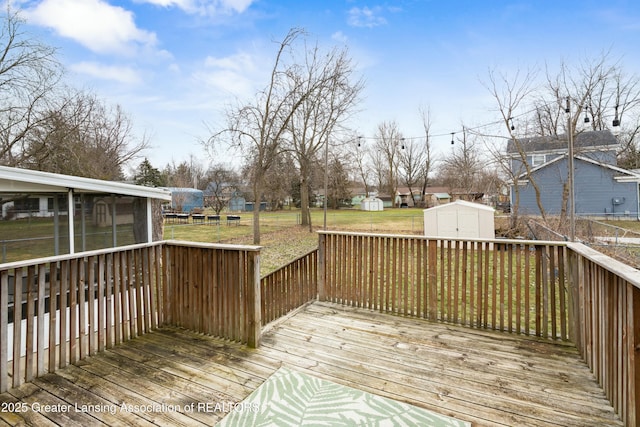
(616, 240)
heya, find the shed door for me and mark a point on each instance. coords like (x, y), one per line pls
(459, 224)
(467, 224)
(447, 224)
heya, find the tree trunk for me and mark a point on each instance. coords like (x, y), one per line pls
(305, 197)
(257, 197)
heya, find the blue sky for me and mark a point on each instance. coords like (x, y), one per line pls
(174, 64)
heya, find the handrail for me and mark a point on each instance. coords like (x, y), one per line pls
(606, 303)
(452, 239)
(57, 310)
(625, 271)
(66, 257)
(548, 289)
(509, 285)
(65, 308)
(556, 290)
(289, 287)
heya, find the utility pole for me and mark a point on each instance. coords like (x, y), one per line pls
(572, 196)
(326, 180)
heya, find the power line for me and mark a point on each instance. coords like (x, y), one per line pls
(485, 125)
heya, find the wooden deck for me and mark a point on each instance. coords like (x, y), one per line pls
(488, 378)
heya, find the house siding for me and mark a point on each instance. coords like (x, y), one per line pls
(517, 168)
(595, 187)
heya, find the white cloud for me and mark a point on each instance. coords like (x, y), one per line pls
(233, 74)
(107, 72)
(95, 24)
(238, 62)
(365, 17)
(339, 36)
(204, 7)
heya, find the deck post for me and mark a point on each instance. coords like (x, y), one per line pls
(254, 304)
(322, 253)
(633, 344)
(432, 284)
(573, 261)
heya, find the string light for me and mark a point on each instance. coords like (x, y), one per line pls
(586, 116)
(615, 123)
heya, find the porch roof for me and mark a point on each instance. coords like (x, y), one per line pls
(16, 180)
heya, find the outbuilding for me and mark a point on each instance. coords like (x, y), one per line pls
(460, 219)
(186, 199)
(371, 204)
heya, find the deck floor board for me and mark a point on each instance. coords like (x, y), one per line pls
(486, 377)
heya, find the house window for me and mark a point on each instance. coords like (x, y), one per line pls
(537, 159)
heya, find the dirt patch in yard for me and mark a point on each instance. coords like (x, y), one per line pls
(281, 247)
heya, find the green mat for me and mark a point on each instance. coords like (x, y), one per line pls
(290, 398)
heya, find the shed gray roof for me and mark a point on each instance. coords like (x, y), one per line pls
(595, 140)
(24, 181)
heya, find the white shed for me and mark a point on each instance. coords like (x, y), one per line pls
(371, 204)
(460, 219)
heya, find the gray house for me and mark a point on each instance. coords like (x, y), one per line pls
(600, 187)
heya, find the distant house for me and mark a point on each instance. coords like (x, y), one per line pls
(237, 203)
(601, 188)
(186, 199)
(435, 196)
(406, 198)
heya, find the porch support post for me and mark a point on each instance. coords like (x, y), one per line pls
(149, 221)
(70, 212)
(114, 224)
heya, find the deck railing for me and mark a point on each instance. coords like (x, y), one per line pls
(607, 325)
(213, 289)
(562, 291)
(58, 310)
(289, 287)
(511, 286)
(553, 290)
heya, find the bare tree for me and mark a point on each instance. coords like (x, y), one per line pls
(221, 184)
(463, 166)
(388, 143)
(29, 74)
(362, 166)
(259, 127)
(412, 163)
(425, 116)
(593, 92)
(511, 94)
(80, 135)
(329, 94)
(416, 160)
(280, 179)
